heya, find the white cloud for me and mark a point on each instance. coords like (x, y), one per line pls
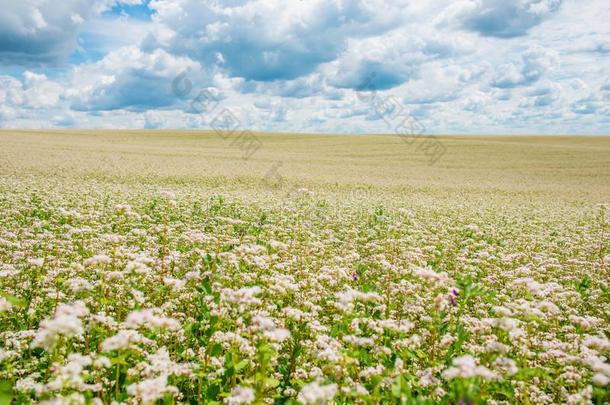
(501, 18)
(271, 39)
(128, 78)
(534, 64)
(463, 66)
(41, 31)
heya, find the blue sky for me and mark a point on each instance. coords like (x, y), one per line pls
(465, 66)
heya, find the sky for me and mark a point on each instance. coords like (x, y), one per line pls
(336, 66)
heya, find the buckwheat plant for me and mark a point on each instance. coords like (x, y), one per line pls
(154, 294)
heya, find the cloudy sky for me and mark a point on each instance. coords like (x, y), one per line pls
(464, 66)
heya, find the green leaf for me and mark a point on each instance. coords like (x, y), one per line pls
(298, 348)
(396, 387)
(18, 302)
(119, 360)
(213, 391)
(216, 350)
(207, 287)
(503, 389)
(241, 365)
(528, 373)
(272, 382)
(6, 392)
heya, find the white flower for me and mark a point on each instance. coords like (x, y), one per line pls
(170, 195)
(98, 259)
(78, 284)
(506, 365)
(152, 390)
(372, 371)
(447, 340)
(317, 394)
(71, 375)
(278, 334)
(240, 395)
(5, 305)
(242, 297)
(125, 339)
(67, 322)
(359, 340)
(147, 318)
(466, 367)
(36, 262)
(600, 379)
(137, 266)
(174, 283)
(102, 362)
(262, 322)
(346, 299)
(29, 384)
(161, 364)
(600, 343)
(428, 274)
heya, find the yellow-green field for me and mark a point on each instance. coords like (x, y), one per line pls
(165, 267)
(567, 167)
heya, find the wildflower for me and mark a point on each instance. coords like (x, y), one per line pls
(79, 284)
(147, 318)
(240, 395)
(466, 367)
(502, 311)
(29, 384)
(138, 266)
(97, 260)
(427, 378)
(152, 390)
(369, 372)
(278, 334)
(71, 375)
(401, 326)
(159, 363)
(36, 262)
(597, 342)
(454, 295)
(174, 283)
(125, 339)
(67, 323)
(242, 297)
(359, 341)
(5, 305)
(582, 397)
(600, 379)
(102, 362)
(123, 208)
(262, 322)
(447, 340)
(316, 394)
(429, 274)
(346, 299)
(170, 195)
(506, 365)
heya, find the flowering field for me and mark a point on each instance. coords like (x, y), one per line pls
(157, 269)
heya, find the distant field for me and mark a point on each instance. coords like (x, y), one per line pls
(566, 167)
(188, 267)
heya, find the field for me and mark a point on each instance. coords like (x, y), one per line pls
(185, 267)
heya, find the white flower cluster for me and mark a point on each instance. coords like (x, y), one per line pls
(66, 323)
